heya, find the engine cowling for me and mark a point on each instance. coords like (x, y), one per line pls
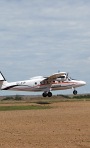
(61, 78)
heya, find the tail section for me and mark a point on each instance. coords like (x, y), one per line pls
(2, 80)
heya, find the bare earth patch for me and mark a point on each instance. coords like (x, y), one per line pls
(65, 125)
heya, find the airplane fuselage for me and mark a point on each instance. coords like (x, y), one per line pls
(35, 85)
(57, 81)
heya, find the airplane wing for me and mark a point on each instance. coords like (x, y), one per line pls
(52, 78)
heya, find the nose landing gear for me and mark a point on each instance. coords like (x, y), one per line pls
(75, 92)
(45, 94)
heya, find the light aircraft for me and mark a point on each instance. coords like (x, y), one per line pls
(57, 81)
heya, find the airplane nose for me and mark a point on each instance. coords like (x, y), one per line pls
(82, 82)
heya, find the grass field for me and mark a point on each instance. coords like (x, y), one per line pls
(57, 122)
(23, 107)
(36, 122)
(11, 103)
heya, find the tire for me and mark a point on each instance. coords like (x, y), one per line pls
(49, 94)
(44, 94)
(75, 92)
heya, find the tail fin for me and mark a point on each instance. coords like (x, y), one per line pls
(2, 80)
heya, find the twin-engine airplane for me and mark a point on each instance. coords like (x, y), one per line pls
(57, 81)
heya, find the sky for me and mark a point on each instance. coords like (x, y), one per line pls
(42, 37)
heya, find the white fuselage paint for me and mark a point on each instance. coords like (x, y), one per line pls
(34, 84)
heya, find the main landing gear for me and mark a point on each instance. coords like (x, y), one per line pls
(49, 94)
(45, 94)
(75, 92)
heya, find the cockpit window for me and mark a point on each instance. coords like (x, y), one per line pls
(69, 79)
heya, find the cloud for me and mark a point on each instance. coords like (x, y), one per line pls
(42, 37)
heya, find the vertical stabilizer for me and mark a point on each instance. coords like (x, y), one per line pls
(2, 80)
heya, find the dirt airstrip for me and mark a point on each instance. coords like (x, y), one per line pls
(65, 125)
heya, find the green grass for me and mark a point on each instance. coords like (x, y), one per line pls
(17, 98)
(82, 96)
(23, 107)
(42, 103)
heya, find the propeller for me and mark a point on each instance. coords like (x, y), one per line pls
(67, 75)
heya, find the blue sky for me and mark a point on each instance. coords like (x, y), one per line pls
(40, 37)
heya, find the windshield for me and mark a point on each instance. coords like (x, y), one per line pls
(69, 79)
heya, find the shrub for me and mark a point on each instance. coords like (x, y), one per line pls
(17, 98)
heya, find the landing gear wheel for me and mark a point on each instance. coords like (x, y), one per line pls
(44, 94)
(49, 94)
(75, 92)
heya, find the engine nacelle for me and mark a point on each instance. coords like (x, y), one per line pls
(61, 78)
